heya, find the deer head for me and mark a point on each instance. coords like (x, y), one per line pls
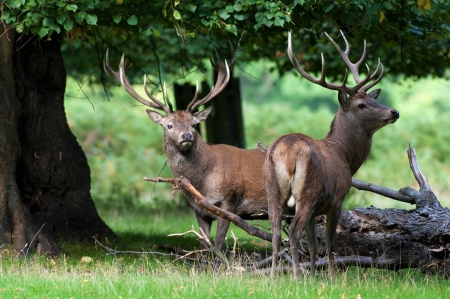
(355, 104)
(179, 126)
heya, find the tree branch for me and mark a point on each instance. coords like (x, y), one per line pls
(183, 183)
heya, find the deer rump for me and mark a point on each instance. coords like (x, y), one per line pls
(305, 177)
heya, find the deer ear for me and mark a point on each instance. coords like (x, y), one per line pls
(202, 115)
(343, 100)
(155, 116)
(374, 94)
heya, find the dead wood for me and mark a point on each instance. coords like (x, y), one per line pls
(372, 237)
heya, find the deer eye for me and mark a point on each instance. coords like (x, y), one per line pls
(169, 126)
(361, 106)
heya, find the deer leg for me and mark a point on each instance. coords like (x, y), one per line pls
(330, 236)
(299, 222)
(205, 226)
(312, 243)
(275, 214)
(222, 228)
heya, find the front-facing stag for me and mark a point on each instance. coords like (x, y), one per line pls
(312, 177)
(229, 177)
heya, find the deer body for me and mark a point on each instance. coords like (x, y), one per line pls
(312, 177)
(229, 177)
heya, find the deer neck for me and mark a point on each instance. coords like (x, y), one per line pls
(191, 163)
(350, 139)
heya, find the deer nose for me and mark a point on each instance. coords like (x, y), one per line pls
(186, 136)
(395, 113)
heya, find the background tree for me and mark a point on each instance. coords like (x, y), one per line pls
(44, 176)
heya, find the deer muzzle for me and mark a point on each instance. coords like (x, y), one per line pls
(186, 140)
(394, 116)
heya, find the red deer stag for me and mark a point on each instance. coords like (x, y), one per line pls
(312, 176)
(229, 177)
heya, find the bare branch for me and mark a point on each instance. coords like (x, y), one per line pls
(420, 178)
(184, 184)
(360, 185)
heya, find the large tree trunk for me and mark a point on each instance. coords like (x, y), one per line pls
(44, 175)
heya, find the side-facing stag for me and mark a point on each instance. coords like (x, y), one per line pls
(229, 177)
(312, 177)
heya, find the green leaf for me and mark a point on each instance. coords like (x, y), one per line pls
(43, 31)
(176, 15)
(189, 33)
(68, 25)
(267, 22)
(148, 32)
(237, 7)
(72, 7)
(60, 19)
(278, 22)
(191, 7)
(14, 4)
(231, 28)
(47, 22)
(205, 22)
(241, 17)
(259, 16)
(19, 28)
(388, 5)
(117, 18)
(91, 19)
(229, 8)
(329, 7)
(223, 14)
(133, 20)
(79, 17)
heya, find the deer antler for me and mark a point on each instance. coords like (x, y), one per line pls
(354, 69)
(223, 77)
(122, 79)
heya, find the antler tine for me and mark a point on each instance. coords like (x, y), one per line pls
(161, 106)
(166, 96)
(354, 67)
(322, 80)
(122, 79)
(367, 87)
(223, 77)
(189, 107)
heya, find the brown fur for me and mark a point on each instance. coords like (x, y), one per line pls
(318, 173)
(229, 177)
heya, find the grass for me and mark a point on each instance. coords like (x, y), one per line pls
(87, 271)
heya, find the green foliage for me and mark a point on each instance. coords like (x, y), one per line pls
(122, 146)
(409, 40)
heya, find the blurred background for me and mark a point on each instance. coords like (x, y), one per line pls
(123, 145)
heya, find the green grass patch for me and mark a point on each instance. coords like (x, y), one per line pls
(88, 271)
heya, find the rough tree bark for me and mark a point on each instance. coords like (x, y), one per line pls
(44, 175)
(372, 237)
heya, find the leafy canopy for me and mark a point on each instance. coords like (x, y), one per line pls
(410, 36)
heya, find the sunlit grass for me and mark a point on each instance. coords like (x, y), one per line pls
(88, 271)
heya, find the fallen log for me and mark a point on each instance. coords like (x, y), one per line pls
(372, 237)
